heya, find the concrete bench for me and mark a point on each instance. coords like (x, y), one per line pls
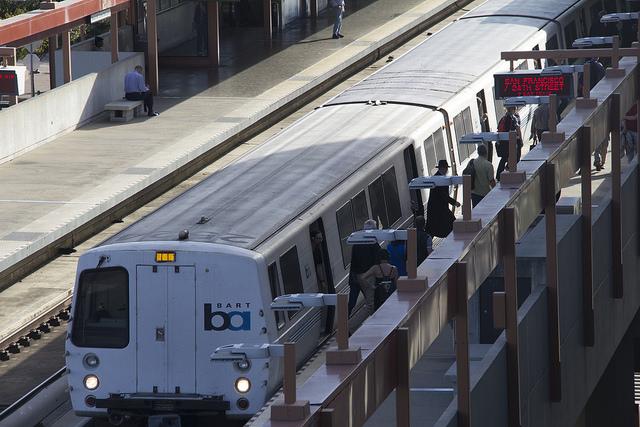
(124, 110)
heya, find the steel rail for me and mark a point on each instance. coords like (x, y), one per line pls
(31, 394)
(353, 393)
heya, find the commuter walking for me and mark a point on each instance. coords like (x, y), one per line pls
(597, 72)
(338, 9)
(539, 124)
(135, 89)
(439, 216)
(379, 281)
(629, 134)
(509, 122)
(362, 258)
(483, 180)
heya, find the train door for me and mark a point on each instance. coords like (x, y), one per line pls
(411, 168)
(165, 325)
(322, 266)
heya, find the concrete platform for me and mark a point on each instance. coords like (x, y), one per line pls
(50, 193)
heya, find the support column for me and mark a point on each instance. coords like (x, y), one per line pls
(53, 45)
(549, 189)
(313, 6)
(66, 56)
(152, 47)
(616, 190)
(457, 282)
(403, 405)
(511, 313)
(268, 24)
(114, 37)
(587, 237)
(213, 23)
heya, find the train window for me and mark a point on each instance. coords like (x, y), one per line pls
(360, 210)
(458, 125)
(438, 142)
(392, 200)
(344, 219)
(468, 128)
(378, 208)
(570, 33)
(101, 317)
(274, 283)
(290, 267)
(430, 152)
(537, 63)
(552, 44)
(524, 65)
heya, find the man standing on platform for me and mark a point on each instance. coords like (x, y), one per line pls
(439, 216)
(483, 180)
(136, 90)
(338, 7)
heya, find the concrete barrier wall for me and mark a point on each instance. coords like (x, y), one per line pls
(582, 367)
(41, 119)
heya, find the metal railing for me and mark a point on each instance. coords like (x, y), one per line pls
(395, 337)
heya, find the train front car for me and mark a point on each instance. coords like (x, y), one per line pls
(148, 316)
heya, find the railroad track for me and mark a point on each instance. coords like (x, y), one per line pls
(126, 213)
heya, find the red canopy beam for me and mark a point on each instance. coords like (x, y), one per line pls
(39, 24)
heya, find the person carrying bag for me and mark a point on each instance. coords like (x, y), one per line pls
(385, 279)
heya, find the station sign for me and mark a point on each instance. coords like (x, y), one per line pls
(8, 82)
(532, 83)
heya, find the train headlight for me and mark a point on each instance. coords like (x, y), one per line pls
(91, 382)
(243, 385)
(243, 365)
(91, 361)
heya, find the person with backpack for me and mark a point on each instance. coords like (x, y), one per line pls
(481, 171)
(379, 282)
(509, 122)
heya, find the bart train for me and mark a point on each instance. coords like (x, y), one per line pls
(151, 305)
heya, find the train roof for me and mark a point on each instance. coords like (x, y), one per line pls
(445, 64)
(542, 9)
(248, 201)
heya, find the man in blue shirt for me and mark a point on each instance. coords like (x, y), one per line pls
(135, 89)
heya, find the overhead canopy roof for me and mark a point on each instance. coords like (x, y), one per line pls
(39, 24)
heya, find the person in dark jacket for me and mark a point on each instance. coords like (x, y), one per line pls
(425, 242)
(362, 258)
(439, 216)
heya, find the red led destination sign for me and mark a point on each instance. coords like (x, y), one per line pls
(8, 82)
(509, 85)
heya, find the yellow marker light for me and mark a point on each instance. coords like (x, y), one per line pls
(162, 256)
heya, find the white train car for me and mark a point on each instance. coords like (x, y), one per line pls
(152, 303)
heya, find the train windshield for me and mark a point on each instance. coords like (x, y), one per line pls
(102, 309)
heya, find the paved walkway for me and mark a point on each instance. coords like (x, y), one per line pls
(54, 189)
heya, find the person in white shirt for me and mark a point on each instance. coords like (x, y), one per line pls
(135, 89)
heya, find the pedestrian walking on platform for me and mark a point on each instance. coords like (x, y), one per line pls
(362, 258)
(629, 133)
(338, 8)
(135, 89)
(509, 122)
(439, 216)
